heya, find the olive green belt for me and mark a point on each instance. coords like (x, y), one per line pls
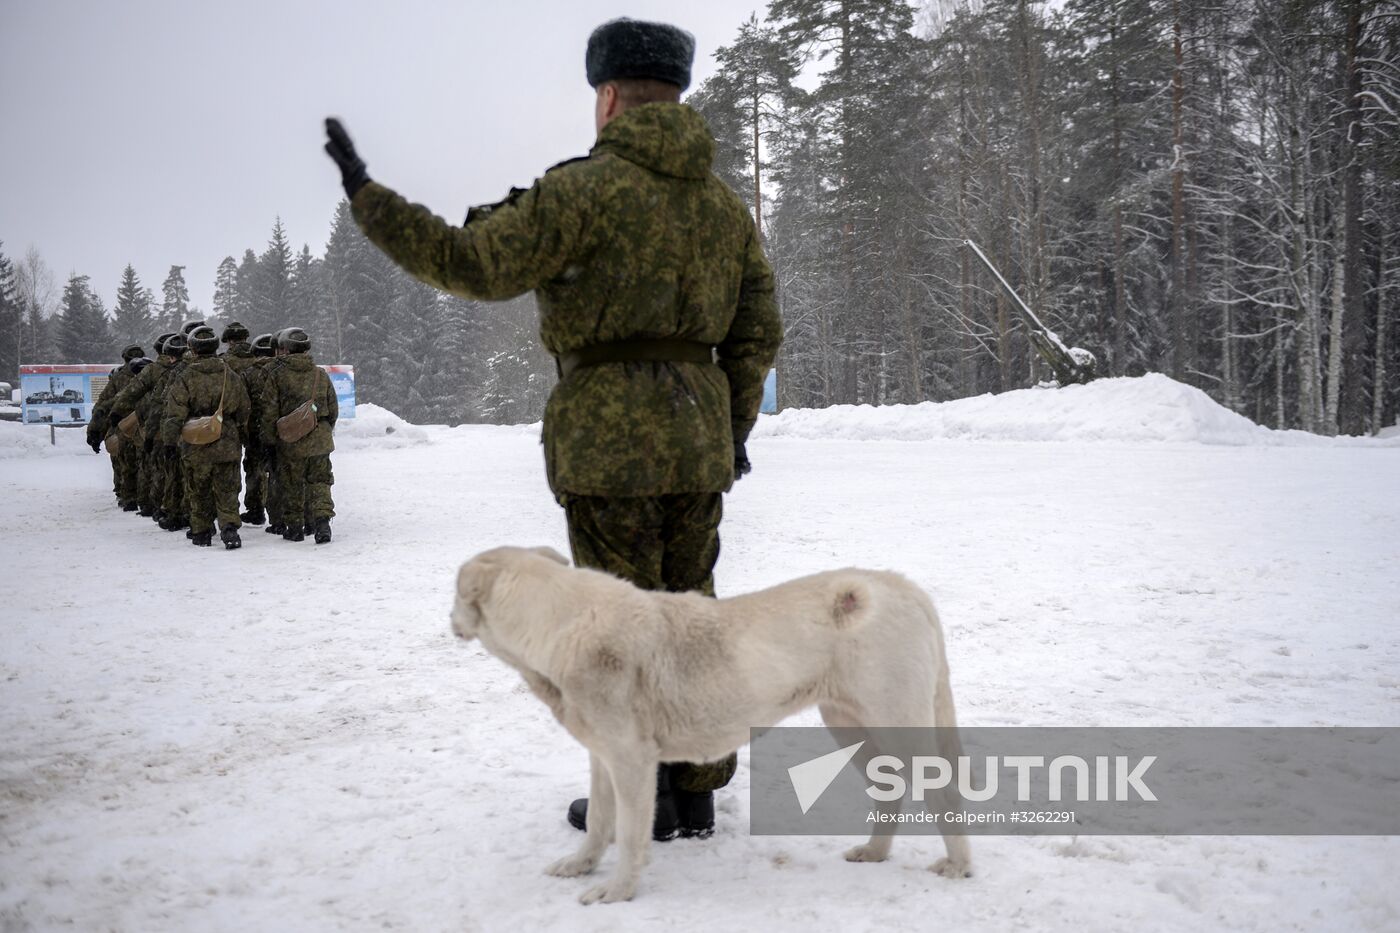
(668, 350)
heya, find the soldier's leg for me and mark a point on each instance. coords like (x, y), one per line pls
(153, 480)
(174, 501)
(274, 503)
(224, 486)
(116, 476)
(199, 479)
(621, 536)
(319, 479)
(291, 478)
(130, 458)
(690, 537)
(253, 486)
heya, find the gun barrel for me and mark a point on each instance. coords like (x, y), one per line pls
(1005, 284)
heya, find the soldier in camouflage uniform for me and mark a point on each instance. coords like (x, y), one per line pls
(206, 386)
(126, 463)
(657, 302)
(255, 488)
(302, 467)
(145, 396)
(239, 357)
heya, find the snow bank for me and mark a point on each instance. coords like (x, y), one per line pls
(32, 440)
(377, 427)
(1146, 408)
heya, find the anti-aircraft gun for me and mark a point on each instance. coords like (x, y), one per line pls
(1071, 365)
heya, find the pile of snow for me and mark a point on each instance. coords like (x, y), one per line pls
(1152, 408)
(377, 427)
(32, 440)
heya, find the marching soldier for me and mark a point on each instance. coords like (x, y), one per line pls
(255, 479)
(299, 412)
(126, 461)
(207, 388)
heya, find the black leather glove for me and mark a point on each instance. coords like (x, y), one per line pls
(339, 147)
(95, 444)
(741, 460)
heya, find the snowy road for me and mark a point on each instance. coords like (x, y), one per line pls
(286, 737)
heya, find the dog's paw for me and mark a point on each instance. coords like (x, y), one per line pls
(951, 869)
(573, 866)
(865, 853)
(610, 893)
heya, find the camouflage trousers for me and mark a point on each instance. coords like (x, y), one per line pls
(174, 498)
(126, 472)
(151, 481)
(666, 543)
(304, 487)
(212, 489)
(254, 479)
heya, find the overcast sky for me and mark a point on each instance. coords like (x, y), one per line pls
(173, 132)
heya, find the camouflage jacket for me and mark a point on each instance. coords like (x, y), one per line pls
(239, 356)
(257, 378)
(294, 379)
(638, 240)
(196, 391)
(101, 424)
(138, 391)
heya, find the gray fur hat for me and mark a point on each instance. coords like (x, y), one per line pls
(629, 48)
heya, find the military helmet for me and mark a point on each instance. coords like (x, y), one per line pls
(203, 340)
(294, 340)
(175, 345)
(189, 326)
(262, 345)
(234, 332)
(160, 342)
(133, 352)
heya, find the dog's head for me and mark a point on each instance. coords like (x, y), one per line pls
(477, 578)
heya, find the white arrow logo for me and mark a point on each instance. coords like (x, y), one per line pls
(811, 778)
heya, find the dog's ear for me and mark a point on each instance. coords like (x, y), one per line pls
(551, 554)
(474, 581)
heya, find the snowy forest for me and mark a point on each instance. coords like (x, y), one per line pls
(1205, 189)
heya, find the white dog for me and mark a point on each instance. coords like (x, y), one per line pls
(643, 677)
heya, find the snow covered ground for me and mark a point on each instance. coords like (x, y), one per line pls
(286, 738)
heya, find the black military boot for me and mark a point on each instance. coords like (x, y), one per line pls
(174, 523)
(146, 511)
(229, 535)
(276, 528)
(695, 813)
(253, 517)
(293, 533)
(663, 823)
(130, 507)
(322, 530)
(202, 538)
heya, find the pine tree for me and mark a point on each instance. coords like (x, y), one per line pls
(175, 303)
(11, 320)
(83, 334)
(360, 286)
(269, 306)
(132, 321)
(226, 304)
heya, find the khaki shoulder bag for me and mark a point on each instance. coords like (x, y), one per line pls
(301, 420)
(113, 443)
(129, 425)
(208, 429)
